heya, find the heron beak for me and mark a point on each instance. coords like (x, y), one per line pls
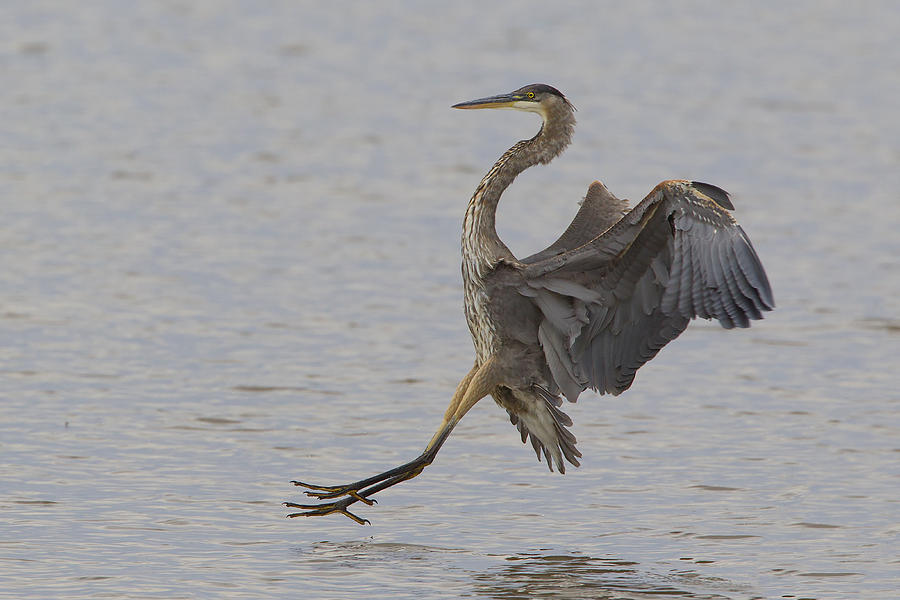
(499, 101)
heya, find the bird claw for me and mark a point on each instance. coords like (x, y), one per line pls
(355, 494)
(342, 496)
(323, 492)
(315, 510)
(329, 492)
(323, 488)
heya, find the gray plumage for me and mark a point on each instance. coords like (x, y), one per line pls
(589, 310)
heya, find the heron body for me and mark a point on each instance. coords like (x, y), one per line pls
(589, 310)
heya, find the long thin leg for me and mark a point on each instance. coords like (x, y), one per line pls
(324, 492)
(354, 492)
(477, 384)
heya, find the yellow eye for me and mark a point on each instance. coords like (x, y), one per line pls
(530, 95)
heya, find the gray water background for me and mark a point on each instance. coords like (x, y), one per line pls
(229, 246)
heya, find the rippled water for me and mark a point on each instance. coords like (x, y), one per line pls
(230, 259)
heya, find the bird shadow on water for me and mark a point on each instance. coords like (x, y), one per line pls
(525, 575)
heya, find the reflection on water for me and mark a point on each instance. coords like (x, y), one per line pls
(577, 577)
(522, 576)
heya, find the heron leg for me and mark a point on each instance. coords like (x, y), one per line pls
(325, 492)
(360, 490)
(475, 385)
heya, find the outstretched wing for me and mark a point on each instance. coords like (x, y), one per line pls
(610, 303)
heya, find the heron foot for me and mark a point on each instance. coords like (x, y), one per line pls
(353, 492)
(343, 496)
(340, 506)
(328, 492)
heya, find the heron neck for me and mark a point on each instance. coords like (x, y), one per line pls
(480, 241)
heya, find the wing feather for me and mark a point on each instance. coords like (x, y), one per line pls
(685, 305)
(698, 287)
(730, 300)
(712, 273)
(752, 269)
(612, 301)
(558, 359)
(669, 300)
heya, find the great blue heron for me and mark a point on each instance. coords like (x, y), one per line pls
(588, 311)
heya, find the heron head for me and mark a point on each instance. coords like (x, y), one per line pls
(537, 97)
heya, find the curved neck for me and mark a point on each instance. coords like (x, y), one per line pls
(480, 241)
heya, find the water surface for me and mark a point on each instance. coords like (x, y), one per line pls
(230, 259)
